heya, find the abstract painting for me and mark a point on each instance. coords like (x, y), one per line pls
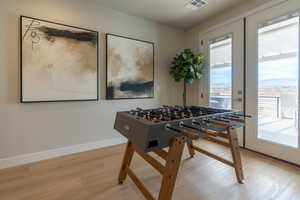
(58, 62)
(130, 68)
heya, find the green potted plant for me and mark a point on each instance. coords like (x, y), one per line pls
(188, 67)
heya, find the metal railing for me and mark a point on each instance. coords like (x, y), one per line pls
(275, 98)
(224, 101)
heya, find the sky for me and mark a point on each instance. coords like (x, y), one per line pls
(278, 73)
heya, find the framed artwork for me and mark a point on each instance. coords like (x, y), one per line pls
(129, 67)
(58, 62)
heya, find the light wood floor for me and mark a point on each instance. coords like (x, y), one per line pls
(93, 176)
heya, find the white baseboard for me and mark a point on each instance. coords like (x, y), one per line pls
(44, 155)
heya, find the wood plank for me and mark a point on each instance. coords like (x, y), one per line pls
(237, 119)
(190, 148)
(236, 156)
(223, 135)
(126, 161)
(227, 162)
(219, 123)
(172, 167)
(140, 185)
(209, 132)
(211, 139)
(161, 153)
(191, 135)
(204, 131)
(152, 161)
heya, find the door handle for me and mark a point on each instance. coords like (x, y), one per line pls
(238, 99)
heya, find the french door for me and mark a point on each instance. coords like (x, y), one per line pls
(222, 87)
(272, 82)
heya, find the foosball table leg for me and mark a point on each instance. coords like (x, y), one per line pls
(126, 162)
(171, 169)
(236, 155)
(190, 148)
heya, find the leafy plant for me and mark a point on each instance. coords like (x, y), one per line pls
(188, 67)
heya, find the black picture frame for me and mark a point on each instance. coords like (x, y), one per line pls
(153, 75)
(21, 60)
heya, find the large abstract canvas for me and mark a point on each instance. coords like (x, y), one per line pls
(58, 62)
(130, 68)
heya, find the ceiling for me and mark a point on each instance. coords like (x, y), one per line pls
(172, 12)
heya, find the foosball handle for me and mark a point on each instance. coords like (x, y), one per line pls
(190, 135)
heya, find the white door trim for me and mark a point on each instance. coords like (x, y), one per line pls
(283, 152)
(235, 29)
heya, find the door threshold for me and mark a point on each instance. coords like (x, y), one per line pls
(294, 164)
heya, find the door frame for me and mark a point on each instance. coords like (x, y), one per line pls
(236, 30)
(272, 149)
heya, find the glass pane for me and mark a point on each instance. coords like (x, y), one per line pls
(278, 75)
(221, 73)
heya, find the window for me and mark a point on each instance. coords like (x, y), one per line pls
(278, 77)
(221, 72)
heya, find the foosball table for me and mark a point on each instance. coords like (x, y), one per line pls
(173, 127)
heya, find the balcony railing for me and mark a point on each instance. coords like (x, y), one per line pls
(267, 105)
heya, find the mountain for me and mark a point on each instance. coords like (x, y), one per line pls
(265, 83)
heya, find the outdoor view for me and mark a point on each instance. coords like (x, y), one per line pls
(278, 75)
(220, 72)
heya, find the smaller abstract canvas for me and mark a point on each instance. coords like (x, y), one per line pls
(130, 68)
(58, 62)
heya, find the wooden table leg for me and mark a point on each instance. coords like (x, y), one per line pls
(172, 166)
(190, 148)
(126, 162)
(236, 155)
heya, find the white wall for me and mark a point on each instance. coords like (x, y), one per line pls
(29, 128)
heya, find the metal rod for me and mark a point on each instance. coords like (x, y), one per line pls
(173, 129)
(184, 132)
(207, 132)
(277, 99)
